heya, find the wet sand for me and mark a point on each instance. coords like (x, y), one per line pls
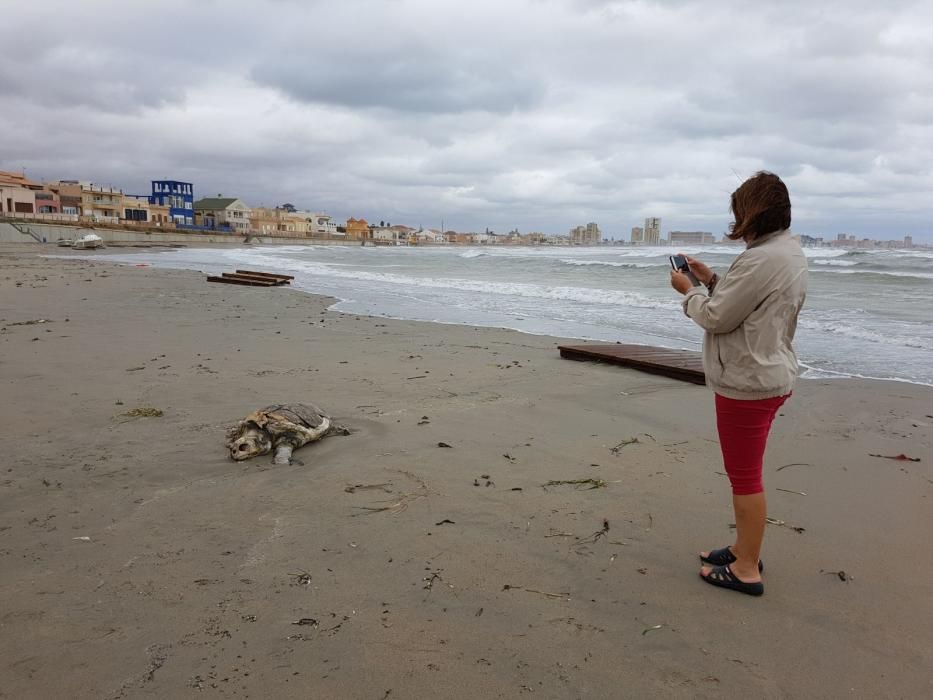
(137, 560)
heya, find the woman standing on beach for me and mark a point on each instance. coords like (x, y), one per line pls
(749, 315)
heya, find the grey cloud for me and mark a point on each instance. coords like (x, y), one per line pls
(412, 79)
(535, 113)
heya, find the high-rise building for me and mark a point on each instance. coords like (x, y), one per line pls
(652, 231)
(638, 235)
(586, 235)
(908, 241)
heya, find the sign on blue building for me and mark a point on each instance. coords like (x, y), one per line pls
(178, 196)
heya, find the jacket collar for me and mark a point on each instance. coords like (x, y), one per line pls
(768, 237)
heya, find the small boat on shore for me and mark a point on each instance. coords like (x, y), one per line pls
(88, 242)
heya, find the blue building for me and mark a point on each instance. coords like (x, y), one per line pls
(178, 196)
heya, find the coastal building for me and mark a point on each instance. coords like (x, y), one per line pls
(428, 236)
(139, 209)
(535, 238)
(48, 202)
(222, 214)
(280, 221)
(459, 238)
(95, 203)
(20, 195)
(358, 229)
(135, 209)
(586, 235)
(323, 225)
(691, 238)
(397, 235)
(16, 200)
(69, 200)
(908, 241)
(264, 220)
(638, 235)
(652, 231)
(178, 196)
(295, 224)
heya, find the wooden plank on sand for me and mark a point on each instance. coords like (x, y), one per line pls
(256, 278)
(677, 364)
(243, 280)
(273, 275)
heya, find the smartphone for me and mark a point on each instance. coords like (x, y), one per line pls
(679, 263)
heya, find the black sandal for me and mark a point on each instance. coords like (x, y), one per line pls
(723, 577)
(724, 557)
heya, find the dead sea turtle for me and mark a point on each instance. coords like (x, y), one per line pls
(284, 427)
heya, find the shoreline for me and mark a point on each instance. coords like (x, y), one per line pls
(137, 559)
(821, 374)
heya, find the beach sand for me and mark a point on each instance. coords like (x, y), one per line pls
(137, 560)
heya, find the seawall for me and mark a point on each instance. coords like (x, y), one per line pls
(50, 233)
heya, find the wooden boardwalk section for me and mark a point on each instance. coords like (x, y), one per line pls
(677, 364)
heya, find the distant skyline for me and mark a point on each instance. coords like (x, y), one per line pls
(536, 114)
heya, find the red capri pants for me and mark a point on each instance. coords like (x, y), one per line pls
(743, 435)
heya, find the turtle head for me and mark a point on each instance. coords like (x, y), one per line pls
(248, 442)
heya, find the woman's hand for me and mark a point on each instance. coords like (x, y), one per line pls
(681, 282)
(699, 270)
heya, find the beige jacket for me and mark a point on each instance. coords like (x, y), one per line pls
(750, 320)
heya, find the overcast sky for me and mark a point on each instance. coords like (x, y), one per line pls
(539, 114)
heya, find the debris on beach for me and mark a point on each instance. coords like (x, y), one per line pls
(779, 523)
(444, 444)
(283, 427)
(302, 578)
(591, 483)
(397, 505)
(429, 580)
(841, 575)
(900, 458)
(799, 493)
(29, 323)
(593, 538)
(446, 521)
(369, 487)
(306, 621)
(144, 412)
(508, 587)
(793, 464)
(651, 629)
(625, 443)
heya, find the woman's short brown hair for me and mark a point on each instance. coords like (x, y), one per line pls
(760, 206)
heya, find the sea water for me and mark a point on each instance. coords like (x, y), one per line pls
(868, 313)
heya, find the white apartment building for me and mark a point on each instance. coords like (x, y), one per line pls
(652, 231)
